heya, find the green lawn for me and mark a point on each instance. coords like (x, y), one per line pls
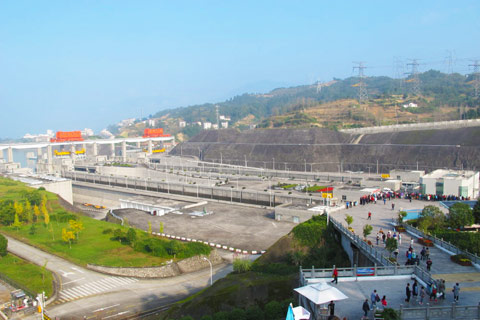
(30, 276)
(92, 247)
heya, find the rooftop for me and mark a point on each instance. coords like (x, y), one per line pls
(450, 174)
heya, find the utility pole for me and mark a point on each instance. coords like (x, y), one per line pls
(414, 79)
(476, 76)
(362, 87)
(216, 112)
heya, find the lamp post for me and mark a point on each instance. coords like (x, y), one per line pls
(211, 270)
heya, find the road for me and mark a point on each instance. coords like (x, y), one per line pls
(85, 293)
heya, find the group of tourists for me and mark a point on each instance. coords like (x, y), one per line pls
(374, 300)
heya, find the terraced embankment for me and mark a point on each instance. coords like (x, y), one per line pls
(319, 149)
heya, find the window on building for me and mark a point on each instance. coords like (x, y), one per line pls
(463, 191)
(296, 219)
(439, 188)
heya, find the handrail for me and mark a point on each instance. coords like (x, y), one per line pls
(370, 250)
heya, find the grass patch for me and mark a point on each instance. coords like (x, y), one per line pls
(93, 245)
(28, 276)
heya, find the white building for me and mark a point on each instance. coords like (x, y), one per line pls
(151, 122)
(224, 124)
(207, 125)
(407, 175)
(87, 132)
(410, 105)
(451, 182)
(182, 124)
(225, 118)
(215, 126)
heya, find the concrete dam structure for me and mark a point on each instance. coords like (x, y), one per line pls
(319, 149)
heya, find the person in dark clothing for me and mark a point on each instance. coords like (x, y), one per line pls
(331, 307)
(408, 292)
(429, 264)
(365, 308)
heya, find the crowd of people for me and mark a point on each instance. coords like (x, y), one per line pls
(391, 195)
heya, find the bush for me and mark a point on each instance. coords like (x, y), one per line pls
(241, 265)
(237, 314)
(254, 313)
(273, 310)
(310, 232)
(207, 317)
(222, 315)
(106, 231)
(390, 314)
(461, 259)
(3, 246)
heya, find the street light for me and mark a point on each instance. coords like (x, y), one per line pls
(211, 270)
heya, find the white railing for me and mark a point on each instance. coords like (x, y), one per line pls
(369, 250)
(443, 312)
(441, 243)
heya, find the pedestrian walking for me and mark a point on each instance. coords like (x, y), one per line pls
(396, 253)
(456, 292)
(378, 238)
(393, 206)
(422, 294)
(408, 292)
(441, 289)
(399, 238)
(384, 301)
(415, 290)
(384, 200)
(369, 216)
(427, 253)
(365, 309)
(411, 242)
(335, 275)
(384, 237)
(373, 298)
(429, 264)
(331, 307)
(433, 292)
(423, 253)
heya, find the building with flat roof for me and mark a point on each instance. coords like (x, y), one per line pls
(451, 182)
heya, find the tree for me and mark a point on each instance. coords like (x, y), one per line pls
(476, 211)
(367, 229)
(3, 245)
(431, 217)
(391, 245)
(460, 215)
(68, 236)
(18, 209)
(16, 222)
(36, 212)
(131, 236)
(348, 219)
(76, 226)
(28, 211)
(161, 227)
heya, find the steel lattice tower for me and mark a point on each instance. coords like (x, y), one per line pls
(476, 77)
(414, 80)
(362, 87)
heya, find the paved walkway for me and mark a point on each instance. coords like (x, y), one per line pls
(383, 215)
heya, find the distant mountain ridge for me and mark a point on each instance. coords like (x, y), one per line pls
(442, 97)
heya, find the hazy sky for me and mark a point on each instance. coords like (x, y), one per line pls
(67, 65)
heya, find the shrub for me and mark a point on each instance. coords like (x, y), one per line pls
(461, 259)
(390, 314)
(254, 313)
(106, 231)
(206, 317)
(241, 265)
(237, 314)
(310, 232)
(3, 246)
(222, 315)
(273, 310)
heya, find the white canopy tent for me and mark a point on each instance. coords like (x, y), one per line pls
(314, 295)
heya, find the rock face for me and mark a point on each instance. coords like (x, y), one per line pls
(170, 270)
(325, 150)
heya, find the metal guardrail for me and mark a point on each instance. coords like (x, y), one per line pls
(369, 250)
(115, 216)
(441, 243)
